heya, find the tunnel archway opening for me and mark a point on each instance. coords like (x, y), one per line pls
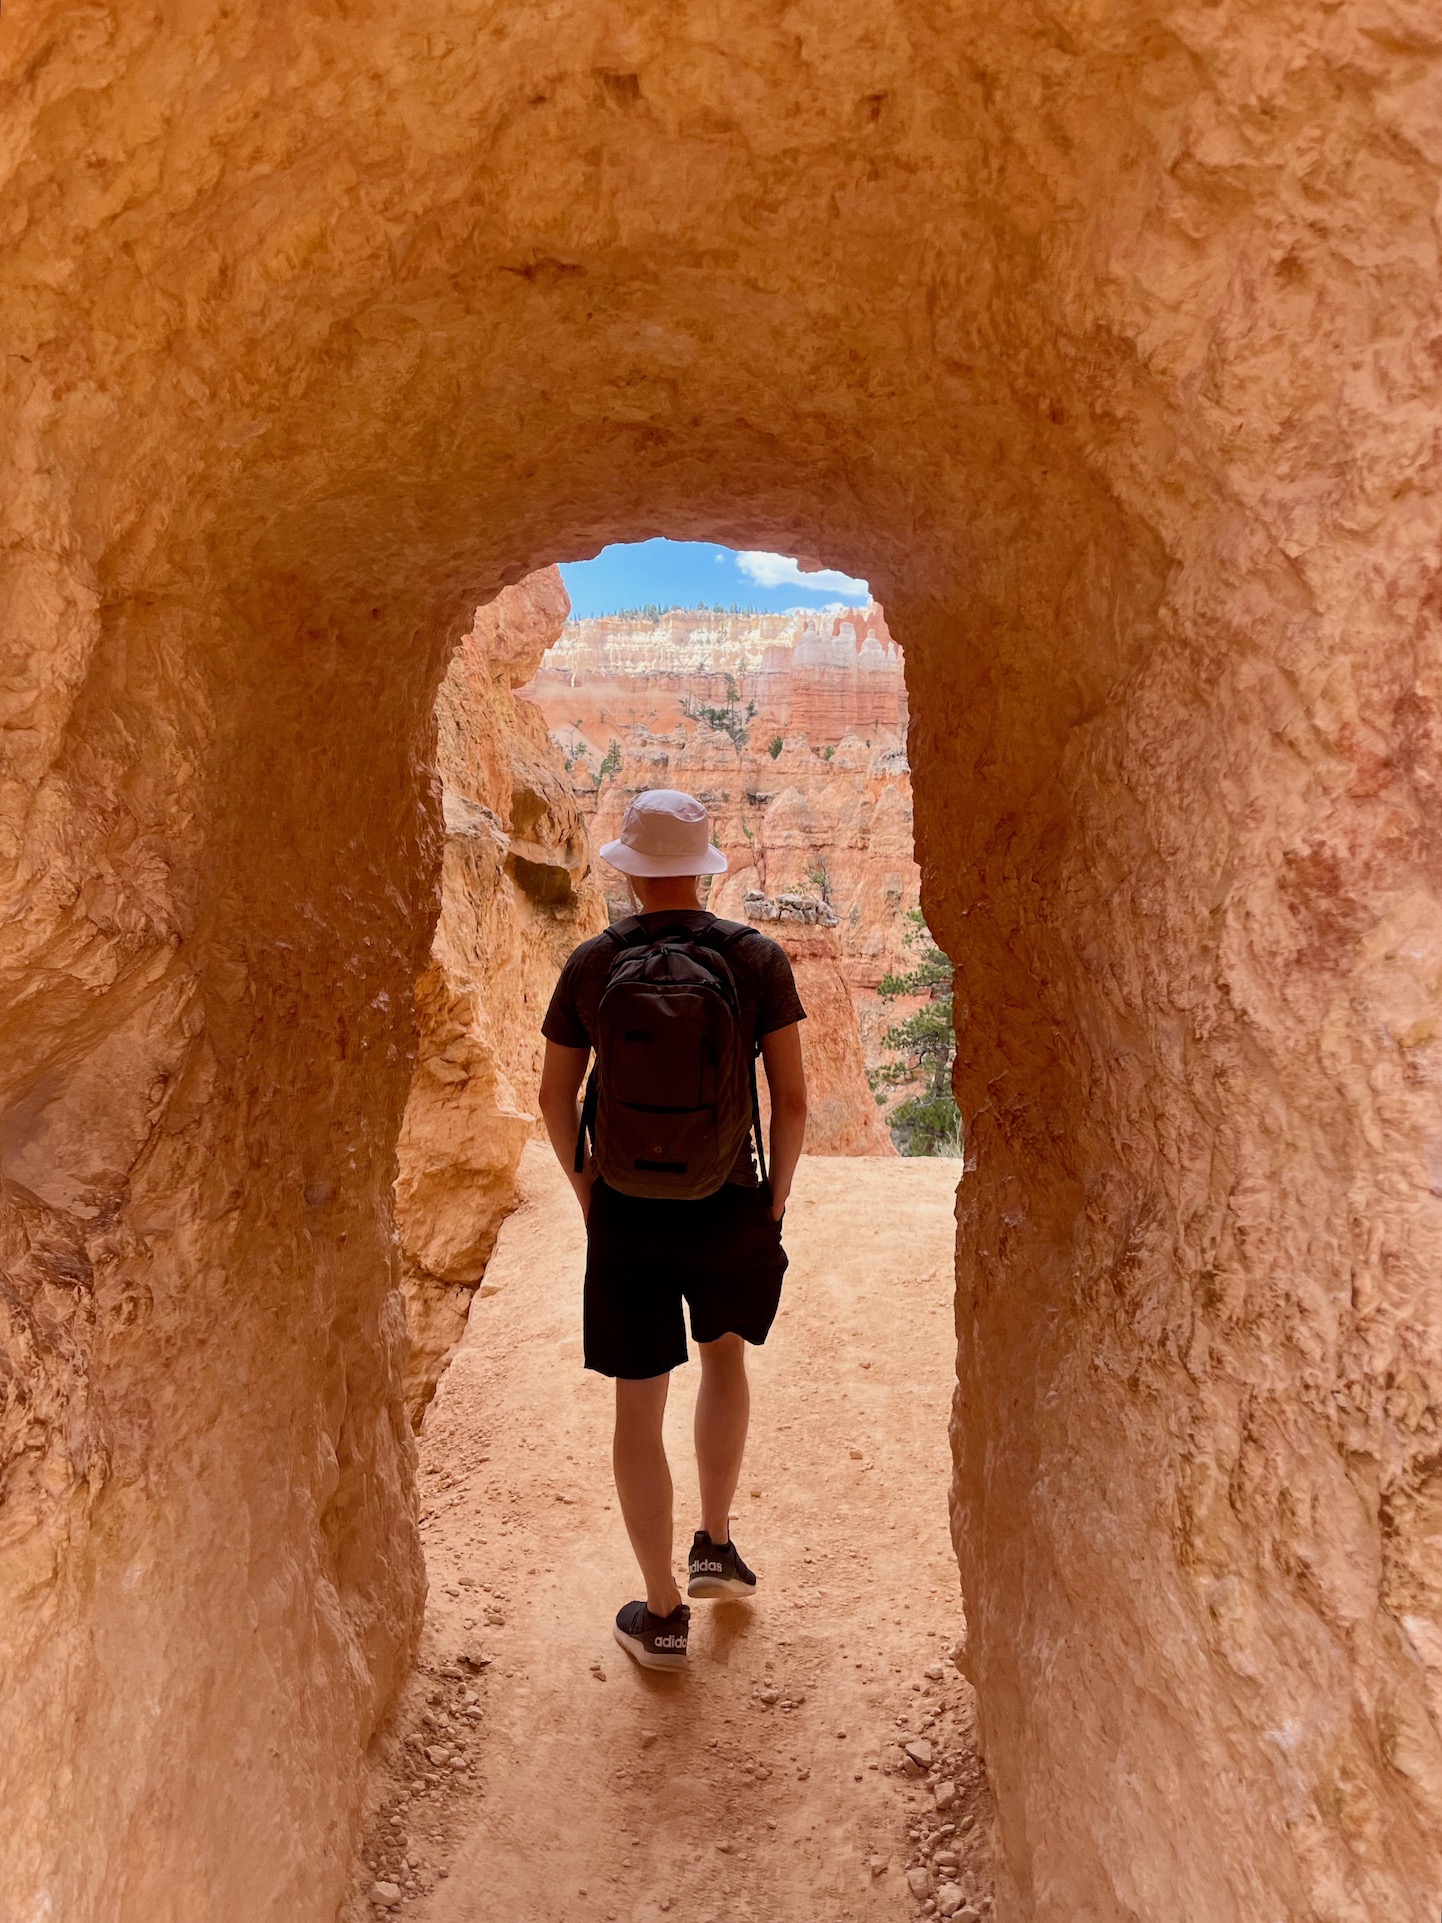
(544, 733)
(583, 727)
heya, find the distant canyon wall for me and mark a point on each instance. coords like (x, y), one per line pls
(791, 728)
(824, 675)
(841, 1116)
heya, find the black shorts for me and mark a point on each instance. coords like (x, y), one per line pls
(723, 1254)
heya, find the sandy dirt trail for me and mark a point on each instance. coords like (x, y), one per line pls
(533, 1771)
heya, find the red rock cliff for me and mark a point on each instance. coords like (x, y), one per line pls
(517, 894)
(809, 794)
(824, 675)
(842, 1117)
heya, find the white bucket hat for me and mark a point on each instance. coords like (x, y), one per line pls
(665, 833)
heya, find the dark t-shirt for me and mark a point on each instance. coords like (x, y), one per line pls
(765, 993)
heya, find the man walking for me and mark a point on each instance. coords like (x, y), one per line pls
(675, 1005)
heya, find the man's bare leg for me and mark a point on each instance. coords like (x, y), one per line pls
(723, 1410)
(643, 1483)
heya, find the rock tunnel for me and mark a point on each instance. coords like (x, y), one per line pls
(1104, 340)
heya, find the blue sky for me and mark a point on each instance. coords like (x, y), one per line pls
(683, 574)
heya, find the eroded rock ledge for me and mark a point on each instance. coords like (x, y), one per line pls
(517, 895)
(808, 910)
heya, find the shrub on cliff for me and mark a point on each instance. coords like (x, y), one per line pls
(610, 765)
(928, 1122)
(731, 718)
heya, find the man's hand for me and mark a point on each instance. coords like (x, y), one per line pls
(786, 1079)
(583, 1185)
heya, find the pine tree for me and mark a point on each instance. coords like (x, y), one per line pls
(928, 1123)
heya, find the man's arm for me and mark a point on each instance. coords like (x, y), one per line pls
(562, 1072)
(786, 1079)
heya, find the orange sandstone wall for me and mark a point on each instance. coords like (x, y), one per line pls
(1104, 343)
(842, 1116)
(517, 895)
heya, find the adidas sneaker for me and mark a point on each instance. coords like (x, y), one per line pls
(717, 1574)
(655, 1642)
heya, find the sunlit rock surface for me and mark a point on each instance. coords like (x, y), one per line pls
(842, 1116)
(517, 895)
(825, 674)
(719, 705)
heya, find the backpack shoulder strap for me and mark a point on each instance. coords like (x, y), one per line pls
(626, 933)
(721, 934)
(630, 932)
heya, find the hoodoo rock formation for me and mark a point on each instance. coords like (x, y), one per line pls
(842, 1117)
(1105, 343)
(717, 704)
(824, 675)
(516, 896)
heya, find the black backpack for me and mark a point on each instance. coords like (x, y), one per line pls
(672, 1096)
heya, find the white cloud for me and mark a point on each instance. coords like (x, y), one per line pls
(780, 571)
